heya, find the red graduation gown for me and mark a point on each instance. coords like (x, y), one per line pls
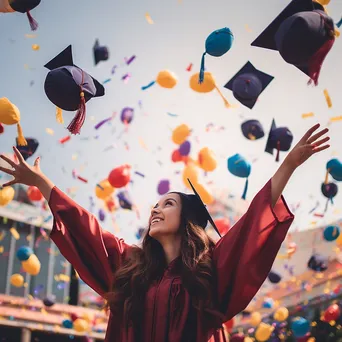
(242, 258)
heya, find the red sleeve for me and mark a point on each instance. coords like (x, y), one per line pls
(245, 255)
(94, 253)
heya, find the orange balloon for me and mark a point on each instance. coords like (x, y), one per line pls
(190, 171)
(107, 190)
(204, 194)
(180, 134)
(207, 160)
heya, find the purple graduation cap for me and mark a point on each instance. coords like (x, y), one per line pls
(69, 87)
(329, 190)
(273, 277)
(318, 263)
(124, 200)
(248, 83)
(101, 53)
(252, 129)
(28, 150)
(303, 34)
(279, 138)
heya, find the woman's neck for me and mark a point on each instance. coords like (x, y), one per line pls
(172, 249)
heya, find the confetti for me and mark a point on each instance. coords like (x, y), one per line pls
(82, 179)
(307, 115)
(148, 86)
(327, 98)
(49, 131)
(1, 249)
(113, 69)
(149, 19)
(35, 47)
(189, 67)
(139, 174)
(15, 233)
(130, 60)
(102, 122)
(30, 35)
(336, 118)
(2, 235)
(173, 115)
(247, 28)
(106, 81)
(65, 139)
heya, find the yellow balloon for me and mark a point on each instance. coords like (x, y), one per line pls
(339, 240)
(207, 86)
(107, 191)
(263, 332)
(203, 193)
(255, 319)
(31, 265)
(167, 79)
(17, 280)
(323, 2)
(6, 195)
(88, 317)
(207, 160)
(81, 325)
(180, 133)
(190, 171)
(281, 314)
(248, 339)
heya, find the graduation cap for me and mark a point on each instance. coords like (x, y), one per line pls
(28, 150)
(273, 277)
(334, 167)
(196, 210)
(303, 34)
(248, 83)
(279, 138)
(252, 129)
(21, 6)
(69, 88)
(101, 53)
(329, 190)
(124, 200)
(318, 263)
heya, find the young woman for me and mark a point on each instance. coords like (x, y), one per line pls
(179, 286)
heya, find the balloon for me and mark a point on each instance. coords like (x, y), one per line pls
(28, 150)
(323, 2)
(176, 156)
(73, 316)
(106, 191)
(31, 265)
(180, 133)
(222, 225)
(229, 325)
(6, 195)
(163, 187)
(207, 160)
(17, 280)
(127, 115)
(190, 171)
(204, 194)
(24, 252)
(300, 326)
(263, 332)
(240, 337)
(102, 215)
(81, 325)
(281, 314)
(184, 148)
(268, 303)
(49, 301)
(339, 241)
(110, 204)
(332, 313)
(331, 233)
(34, 194)
(255, 319)
(120, 176)
(207, 86)
(166, 79)
(67, 323)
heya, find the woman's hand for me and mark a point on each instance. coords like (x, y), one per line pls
(307, 146)
(22, 172)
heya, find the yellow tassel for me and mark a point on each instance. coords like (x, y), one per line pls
(59, 115)
(326, 177)
(226, 103)
(21, 139)
(327, 98)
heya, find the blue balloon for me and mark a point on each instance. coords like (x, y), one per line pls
(268, 303)
(335, 169)
(67, 323)
(331, 233)
(24, 252)
(300, 326)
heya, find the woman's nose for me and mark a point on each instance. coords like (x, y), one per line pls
(155, 211)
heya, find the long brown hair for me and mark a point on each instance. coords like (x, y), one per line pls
(146, 264)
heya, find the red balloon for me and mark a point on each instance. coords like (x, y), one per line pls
(332, 313)
(120, 176)
(222, 225)
(176, 156)
(229, 325)
(73, 317)
(34, 194)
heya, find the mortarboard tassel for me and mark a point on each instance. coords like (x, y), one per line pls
(78, 121)
(21, 139)
(59, 115)
(33, 23)
(278, 151)
(316, 61)
(245, 190)
(226, 103)
(201, 74)
(326, 177)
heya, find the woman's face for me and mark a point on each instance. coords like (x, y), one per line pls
(165, 217)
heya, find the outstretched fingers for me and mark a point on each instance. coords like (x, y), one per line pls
(321, 148)
(308, 134)
(8, 171)
(12, 182)
(9, 161)
(317, 135)
(19, 155)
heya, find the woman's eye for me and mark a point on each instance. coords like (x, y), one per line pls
(168, 202)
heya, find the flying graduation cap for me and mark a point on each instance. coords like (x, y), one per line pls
(196, 209)
(248, 83)
(28, 150)
(21, 6)
(303, 34)
(252, 130)
(69, 88)
(101, 53)
(279, 138)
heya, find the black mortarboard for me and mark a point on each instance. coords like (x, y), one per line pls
(252, 129)
(124, 200)
(303, 34)
(273, 277)
(28, 150)
(279, 138)
(318, 263)
(69, 87)
(248, 83)
(101, 53)
(329, 190)
(196, 209)
(25, 6)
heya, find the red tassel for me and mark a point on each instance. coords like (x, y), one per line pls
(78, 121)
(33, 23)
(278, 151)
